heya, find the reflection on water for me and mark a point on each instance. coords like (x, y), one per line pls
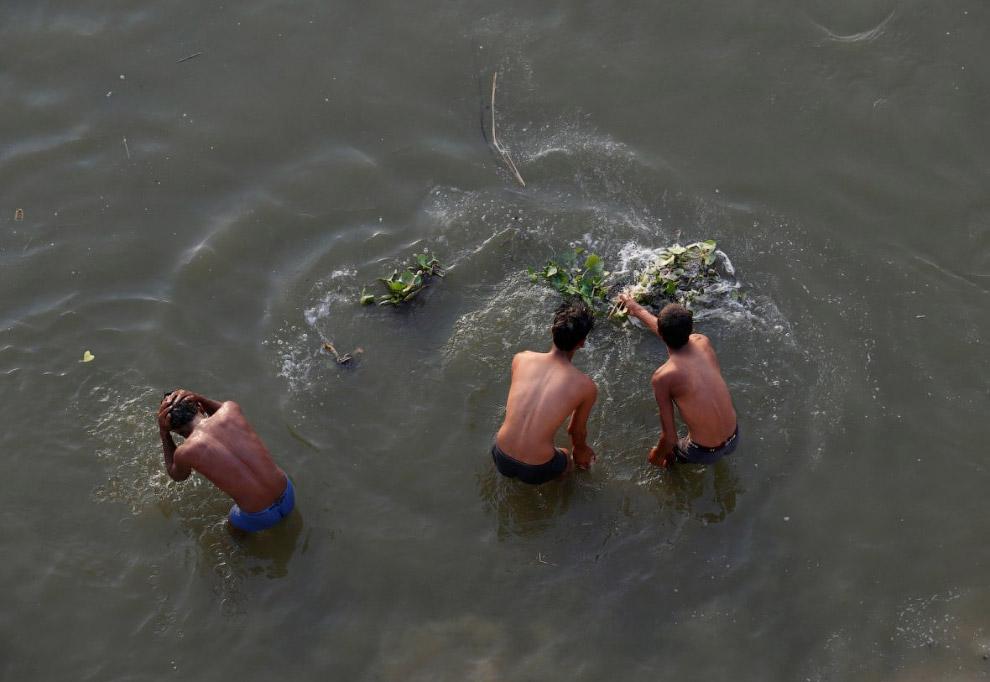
(523, 509)
(705, 493)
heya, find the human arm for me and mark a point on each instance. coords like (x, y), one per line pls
(662, 454)
(648, 319)
(578, 429)
(176, 470)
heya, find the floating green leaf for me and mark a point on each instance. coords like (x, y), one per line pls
(404, 286)
(573, 277)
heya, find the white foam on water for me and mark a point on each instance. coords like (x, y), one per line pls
(926, 621)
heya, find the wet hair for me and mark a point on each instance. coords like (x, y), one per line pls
(572, 322)
(675, 324)
(183, 412)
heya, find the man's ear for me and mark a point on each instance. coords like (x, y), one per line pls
(580, 344)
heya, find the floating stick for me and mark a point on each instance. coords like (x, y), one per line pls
(186, 59)
(499, 148)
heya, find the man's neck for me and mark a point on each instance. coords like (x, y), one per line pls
(562, 355)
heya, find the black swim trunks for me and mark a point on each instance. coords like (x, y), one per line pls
(688, 452)
(533, 474)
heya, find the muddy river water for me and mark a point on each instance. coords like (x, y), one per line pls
(205, 187)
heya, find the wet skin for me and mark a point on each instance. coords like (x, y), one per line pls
(221, 445)
(692, 380)
(545, 390)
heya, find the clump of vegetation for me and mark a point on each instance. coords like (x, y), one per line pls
(679, 274)
(404, 286)
(576, 274)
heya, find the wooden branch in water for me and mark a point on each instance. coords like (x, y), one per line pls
(186, 59)
(498, 147)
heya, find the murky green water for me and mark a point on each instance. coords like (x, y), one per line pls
(836, 151)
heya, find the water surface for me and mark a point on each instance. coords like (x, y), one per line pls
(209, 222)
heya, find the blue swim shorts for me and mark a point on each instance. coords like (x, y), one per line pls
(266, 518)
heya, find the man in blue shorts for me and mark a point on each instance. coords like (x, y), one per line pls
(221, 445)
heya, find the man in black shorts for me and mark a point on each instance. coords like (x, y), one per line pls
(545, 390)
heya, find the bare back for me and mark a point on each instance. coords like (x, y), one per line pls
(226, 450)
(697, 388)
(545, 390)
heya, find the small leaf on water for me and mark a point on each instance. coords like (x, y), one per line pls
(88, 357)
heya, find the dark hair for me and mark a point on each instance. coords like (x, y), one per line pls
(675, 325)
(183, 412)
(572, 322)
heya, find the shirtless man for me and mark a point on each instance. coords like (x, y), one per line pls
(692, 379)
(545, 390)
(222, 446)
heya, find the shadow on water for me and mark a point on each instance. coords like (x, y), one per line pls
(521, 509)
(705, 493)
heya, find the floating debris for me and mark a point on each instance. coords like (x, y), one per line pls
(19, 214)
(338, 358)
(88, 357)
(503, 152)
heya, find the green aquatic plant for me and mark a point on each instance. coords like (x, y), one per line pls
(678, 274)
(576, 274)
(404, 286)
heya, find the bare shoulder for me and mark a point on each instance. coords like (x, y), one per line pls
(664, 375)
(230, 408)
(521, 357)
(701, 339)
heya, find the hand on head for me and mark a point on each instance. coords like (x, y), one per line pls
(170, 401)
(164, 412)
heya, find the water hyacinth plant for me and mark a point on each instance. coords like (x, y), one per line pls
(577, 275)
(678, 274)
(404, 286)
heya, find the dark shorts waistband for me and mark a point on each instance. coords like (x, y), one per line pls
(687, 451)
(534, 474)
